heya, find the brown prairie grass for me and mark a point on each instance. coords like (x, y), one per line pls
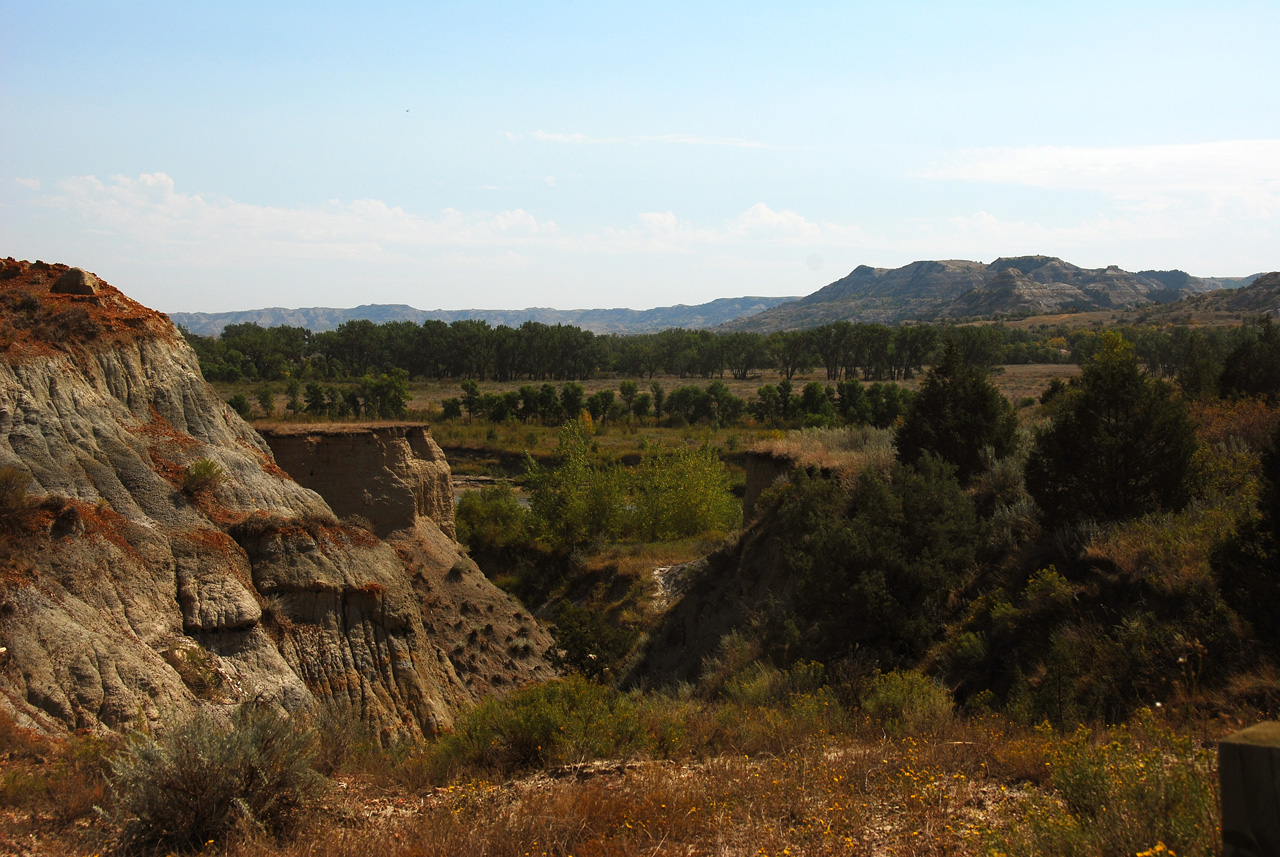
(826, 798)
(792, 777)
(1169, 551)
(982, 786)
(841, 450)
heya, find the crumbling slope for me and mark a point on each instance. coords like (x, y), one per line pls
(131, 593)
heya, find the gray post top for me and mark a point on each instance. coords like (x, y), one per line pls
(1265, 734)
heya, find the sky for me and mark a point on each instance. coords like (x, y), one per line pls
(207, 157)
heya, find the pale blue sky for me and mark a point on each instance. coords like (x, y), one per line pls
(225, 156)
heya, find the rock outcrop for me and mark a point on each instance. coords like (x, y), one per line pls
(955, 288)
(390, 475)
(763, 469)
(154, 558)
(76, 281)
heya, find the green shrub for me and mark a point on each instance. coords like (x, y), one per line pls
(907, 701)
(563, 721)
(956, 415)
(1144, 789)
(733, 654)
(757, 685)
(202, 474)
(492, 519)
(872, 567)
(240, 404)
(1120, 444)
(204, 779)
(679, 494)
(761, 684)
(587, 642)
(576, 504)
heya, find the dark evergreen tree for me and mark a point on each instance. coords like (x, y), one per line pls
(873, 568)
(956, 414)
(1119, 446)
(1253, 367)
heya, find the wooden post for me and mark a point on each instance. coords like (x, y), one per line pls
(1249, 773)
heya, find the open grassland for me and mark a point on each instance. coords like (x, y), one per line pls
(481, 448)
(425, 397)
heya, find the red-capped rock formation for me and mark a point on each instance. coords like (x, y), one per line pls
(154, 558)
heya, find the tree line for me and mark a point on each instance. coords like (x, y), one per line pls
(471, 349)
(777, 405)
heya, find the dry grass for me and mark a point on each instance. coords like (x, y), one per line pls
(1020, 381)
(981, 787)
(791, 777)
(1171, 551)
(846, 450)
(826, 798)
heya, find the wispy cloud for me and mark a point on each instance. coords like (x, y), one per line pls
(666, 232)
(150, 208)
(1227, 178)
(32, 184)
(641, 139)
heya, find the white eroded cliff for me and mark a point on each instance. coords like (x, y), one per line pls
(130, 594)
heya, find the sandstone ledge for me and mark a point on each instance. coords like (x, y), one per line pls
(391, 474)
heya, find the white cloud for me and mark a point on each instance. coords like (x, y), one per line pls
(665, 232)
(150, 209)
(1233, 178)
(163, 241)
(33, 184)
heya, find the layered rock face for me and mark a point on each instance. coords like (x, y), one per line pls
(390, 475)
(154, 558)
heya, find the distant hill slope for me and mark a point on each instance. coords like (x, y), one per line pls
(1259, 297)
(598, 320)
(1023, 285)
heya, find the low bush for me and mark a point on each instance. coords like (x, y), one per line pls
(344, 741)
(202, 474)
(1146, 790)
(588, 642)
(197, 669)
(62, 781)
(559, 722)
(907, 701)
(206, 779)
(492, 520)
(240, 404)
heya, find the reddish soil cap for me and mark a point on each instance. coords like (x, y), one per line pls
(36, 321)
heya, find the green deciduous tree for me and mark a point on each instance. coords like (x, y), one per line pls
(683, 493)
(386, 395)
(1119, 446)
(575, 504)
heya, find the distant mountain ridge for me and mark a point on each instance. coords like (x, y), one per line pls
(318, 319)
(921, 291)
(956, 288)
(1261, 297)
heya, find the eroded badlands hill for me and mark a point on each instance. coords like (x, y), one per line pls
(131, 593)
